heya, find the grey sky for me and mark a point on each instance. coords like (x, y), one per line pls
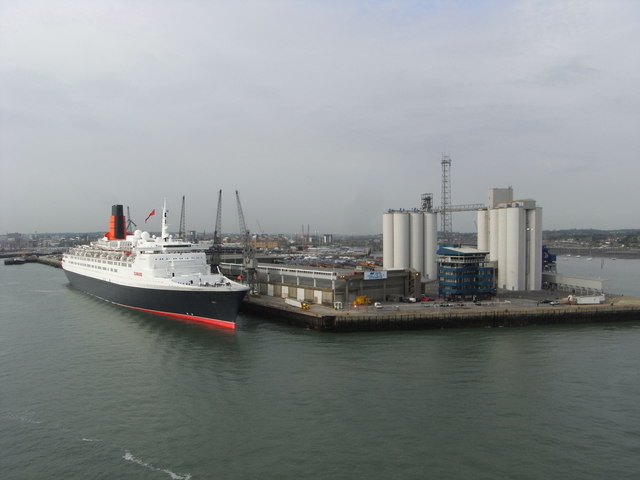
(324, 113)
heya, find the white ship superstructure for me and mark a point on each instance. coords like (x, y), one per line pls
(156, 274)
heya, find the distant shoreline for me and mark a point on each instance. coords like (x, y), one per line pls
(628, 253)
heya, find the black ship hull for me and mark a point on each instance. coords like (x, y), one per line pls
(211, 307)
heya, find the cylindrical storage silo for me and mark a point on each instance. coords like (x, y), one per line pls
(483, 230)
(430, 245)
(502, 247)
(493, 234)
(534, 244)
(417, 241)
(387, 240)
(401, 240)
(516, 248)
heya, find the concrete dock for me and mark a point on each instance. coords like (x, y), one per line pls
(513, 311)
(433, 316)
(51, 260)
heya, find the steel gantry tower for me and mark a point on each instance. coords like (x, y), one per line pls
(445, 208)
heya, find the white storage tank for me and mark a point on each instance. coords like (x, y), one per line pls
(417, 240)
(534, 245)
(493, 235)
(387, 240)
(430, 245)
(516, 251)
(483, 230)
(401, 240)
(502, 247)
(511, 231)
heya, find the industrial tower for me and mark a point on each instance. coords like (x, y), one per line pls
(445, 209)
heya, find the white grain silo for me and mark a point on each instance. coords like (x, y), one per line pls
(387, 240)
(516, 248)
(430, 245)
(534, 245)
(483, 230)
(493, 235)
(514, 239)
(417, 240)
(401, 240)
(502, 248)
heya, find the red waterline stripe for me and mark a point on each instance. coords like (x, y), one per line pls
(189, 318)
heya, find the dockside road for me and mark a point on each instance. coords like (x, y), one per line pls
(513, 313)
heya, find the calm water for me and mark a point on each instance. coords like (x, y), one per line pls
(92, 391)
(623, 275)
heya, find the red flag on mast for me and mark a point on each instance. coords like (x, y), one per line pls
(153, 212)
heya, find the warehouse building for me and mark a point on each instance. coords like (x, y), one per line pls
(330, 286)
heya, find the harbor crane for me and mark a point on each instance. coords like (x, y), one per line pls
(129, 221)
(216, 248)
(249, 262)
(182, 232)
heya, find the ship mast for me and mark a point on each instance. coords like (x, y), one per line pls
(165, 226)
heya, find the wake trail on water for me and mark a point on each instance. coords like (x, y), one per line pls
(175, 476)
(29, 417)
(22, 416)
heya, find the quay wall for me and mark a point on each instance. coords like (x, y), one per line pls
(443, 318)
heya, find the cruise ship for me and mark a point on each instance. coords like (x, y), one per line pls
(161, 275)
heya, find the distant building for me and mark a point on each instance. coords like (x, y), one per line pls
(267, 243)
(15, 241)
